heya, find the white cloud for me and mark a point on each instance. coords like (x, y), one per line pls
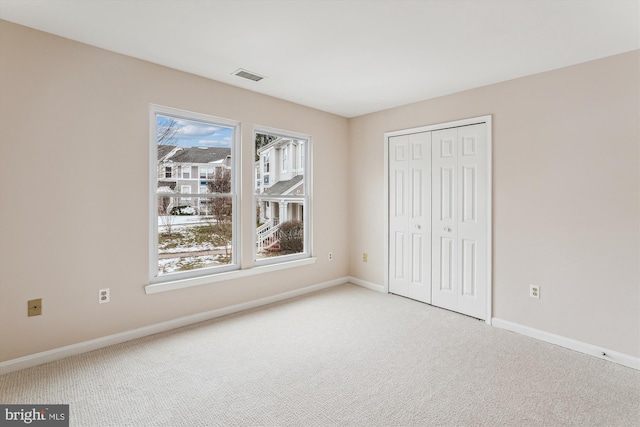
(197, 130)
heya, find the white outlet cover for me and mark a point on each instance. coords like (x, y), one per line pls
(104, 296)
(534, 291)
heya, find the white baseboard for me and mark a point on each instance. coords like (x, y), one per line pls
(83, 347)
(365, 284)
(590, 349)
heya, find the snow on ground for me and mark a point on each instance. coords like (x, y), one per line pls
(180, 224)
(170, 265)
(184, 219)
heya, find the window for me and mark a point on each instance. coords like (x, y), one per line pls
(263, 159)
(284, 159)
(194, 216)
(301, 159)
(185, 189)
(192, 234)
(206, 172)
(282, 212)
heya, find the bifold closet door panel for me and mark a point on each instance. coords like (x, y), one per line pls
(472, 220)
(410, 216)
(459, 219)
(444, 218)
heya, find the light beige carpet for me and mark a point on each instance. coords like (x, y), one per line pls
(345, 356)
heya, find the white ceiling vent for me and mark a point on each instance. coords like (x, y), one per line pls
(247, 75)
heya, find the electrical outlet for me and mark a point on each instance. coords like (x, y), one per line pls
(104, 296)
(534, 291)
(365, 257)
(330, 256)
(34, 307)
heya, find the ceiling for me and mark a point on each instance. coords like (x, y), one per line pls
(348, 57)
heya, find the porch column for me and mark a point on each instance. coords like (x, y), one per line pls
(283, 211)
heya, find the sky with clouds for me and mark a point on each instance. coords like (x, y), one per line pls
(196, 134)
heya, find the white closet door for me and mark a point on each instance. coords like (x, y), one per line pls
(444, 219)
(459, 219)
(472, 222)
(410, 216)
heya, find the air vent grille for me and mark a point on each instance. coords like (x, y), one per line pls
(247, 75)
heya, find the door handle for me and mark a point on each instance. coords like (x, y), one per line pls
(447, 229)
(418, 226)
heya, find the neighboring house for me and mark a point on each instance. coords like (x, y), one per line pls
(189, 170)
(279, 176)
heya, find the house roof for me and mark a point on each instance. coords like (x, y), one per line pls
(163, 150)
(282, 187)
(195, 154)
(277, 143)
(271, 144)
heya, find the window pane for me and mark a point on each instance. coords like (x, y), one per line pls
(194, 233)
(280, 197)
(195, 212)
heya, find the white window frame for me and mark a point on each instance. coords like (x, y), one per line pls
(266, 168)
(188, 191)
(240, 268)
(306, 254)
(285, 152)
(206, 173)
(204, 273)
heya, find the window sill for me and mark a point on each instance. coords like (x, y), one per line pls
(220, 277)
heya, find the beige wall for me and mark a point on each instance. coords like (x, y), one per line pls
(74, 121)
(74, 181)
(566, 196)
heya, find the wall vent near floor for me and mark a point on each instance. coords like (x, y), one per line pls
(247, 75)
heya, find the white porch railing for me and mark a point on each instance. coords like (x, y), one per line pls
(268, 234)
(268, 224)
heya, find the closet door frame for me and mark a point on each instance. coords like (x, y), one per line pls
(457, 123)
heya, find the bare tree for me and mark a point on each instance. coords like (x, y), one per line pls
(221, 184)
(222, 209)
(167, 131)
(165, 207)
(165, 135)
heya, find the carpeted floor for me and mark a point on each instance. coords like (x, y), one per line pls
(345, 356)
